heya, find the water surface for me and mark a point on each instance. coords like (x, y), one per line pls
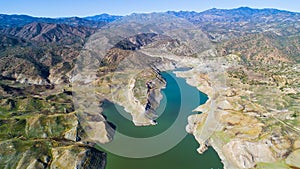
(178, 102)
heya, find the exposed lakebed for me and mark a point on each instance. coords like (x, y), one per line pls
(177, 104)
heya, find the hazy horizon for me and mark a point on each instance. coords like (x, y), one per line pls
(79, 8)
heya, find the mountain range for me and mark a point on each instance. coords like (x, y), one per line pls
(23, 37)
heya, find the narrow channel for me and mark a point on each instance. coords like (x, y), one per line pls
(183, 155)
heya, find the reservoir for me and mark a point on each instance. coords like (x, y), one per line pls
(169, 151)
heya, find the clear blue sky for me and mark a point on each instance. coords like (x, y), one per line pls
(62, 8)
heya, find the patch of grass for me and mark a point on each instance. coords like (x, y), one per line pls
(278, 164)
(12, 128)
(221, 135)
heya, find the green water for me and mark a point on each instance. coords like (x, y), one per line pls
(178, 102)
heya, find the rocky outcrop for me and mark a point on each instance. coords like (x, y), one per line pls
(293, 159)
(154, 96)
(77, 157)
(22, 70)
(59, 74)
(247, 154)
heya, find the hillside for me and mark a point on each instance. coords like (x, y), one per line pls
(48, 33)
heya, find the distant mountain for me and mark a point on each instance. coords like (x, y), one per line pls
(224, 24)
(228, 22)
(241, 14)
(21, 20)
(49, 32)
(76, 21)
(103, 17)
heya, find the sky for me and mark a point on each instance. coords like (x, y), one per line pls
(65, 8)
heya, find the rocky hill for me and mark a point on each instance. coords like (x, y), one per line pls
(48, 33)
(39, 50)
(262, 49)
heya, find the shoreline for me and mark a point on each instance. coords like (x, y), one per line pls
(193, 81)
(234, 123)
